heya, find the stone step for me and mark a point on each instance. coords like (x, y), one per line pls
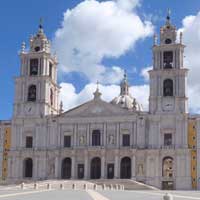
(128, 184)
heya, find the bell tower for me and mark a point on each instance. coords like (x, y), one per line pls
(36, 89)
(168, 78)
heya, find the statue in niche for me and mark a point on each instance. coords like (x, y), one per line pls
(82, 140)
(111, 139)
(51, 167)
(140, 170)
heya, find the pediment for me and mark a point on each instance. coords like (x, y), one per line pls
(96, 108)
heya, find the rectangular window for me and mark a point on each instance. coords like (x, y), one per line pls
(126, 140)
(50, 69)
(34, 67)
(29, 142)
(168, 139)
(67, 141)
(168, 59)
(96, 138)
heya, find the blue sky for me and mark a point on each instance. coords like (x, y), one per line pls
(19, 19)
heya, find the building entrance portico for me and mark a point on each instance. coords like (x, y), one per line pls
(66, 168)
(125, 168)
(95, 168)
(80, 171)
(110, 171)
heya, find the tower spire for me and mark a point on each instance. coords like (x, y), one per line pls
(97, 94)
(124, 85)
(41, 23)
(168, 16)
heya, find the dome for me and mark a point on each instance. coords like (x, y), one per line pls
(125, 100)
(128, 102)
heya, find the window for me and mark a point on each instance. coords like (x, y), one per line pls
(29, 142)
(168, 139)
(51, 97)
(96, 138)
(34, 67)
(126, 140)
(50, 69)
(32, 93)
(168, 59)
(67, 141)
(168, 87)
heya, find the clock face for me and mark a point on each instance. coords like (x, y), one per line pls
(29, 110)
(168, 104)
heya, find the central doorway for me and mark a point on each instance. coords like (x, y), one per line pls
(95, 168)
(110, 171)
(28, 168)
(66, 168)
(125, 172)
(167, 185)
(80, 171)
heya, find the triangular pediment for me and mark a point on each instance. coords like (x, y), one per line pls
(96, 108)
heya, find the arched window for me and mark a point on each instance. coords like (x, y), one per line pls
(167, 167)
(96, 138)
(168, 87)
(32, 93)
(51, 96)
(28, 168)
(34, 67)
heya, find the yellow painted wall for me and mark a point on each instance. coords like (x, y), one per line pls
(6, 148)
(192, 144)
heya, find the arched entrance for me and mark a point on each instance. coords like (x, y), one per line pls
(66, 168)
(125, 170)
(95, 168)
(167, 167)
(167, 172)
(28, 168)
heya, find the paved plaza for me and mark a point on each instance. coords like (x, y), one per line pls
(52, 193)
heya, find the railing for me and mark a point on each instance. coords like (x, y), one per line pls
(90, 147)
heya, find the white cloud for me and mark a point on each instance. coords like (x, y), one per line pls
(93, 31)
(144, 73)
(71, 98)
(191, 38)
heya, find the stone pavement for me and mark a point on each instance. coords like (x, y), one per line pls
(46, 191)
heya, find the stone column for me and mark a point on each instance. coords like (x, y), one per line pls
(75, 136)
(56, 167)
(118, 135)
(103, 167)
(116, 165)
(35, 168)
(104, 135)
(73, 167)
(88, 135)
(133, 163)
(86, 164)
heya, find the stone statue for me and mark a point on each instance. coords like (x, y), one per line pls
(140, 170)
(51, 167)
(82, 140)
(111, 139)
